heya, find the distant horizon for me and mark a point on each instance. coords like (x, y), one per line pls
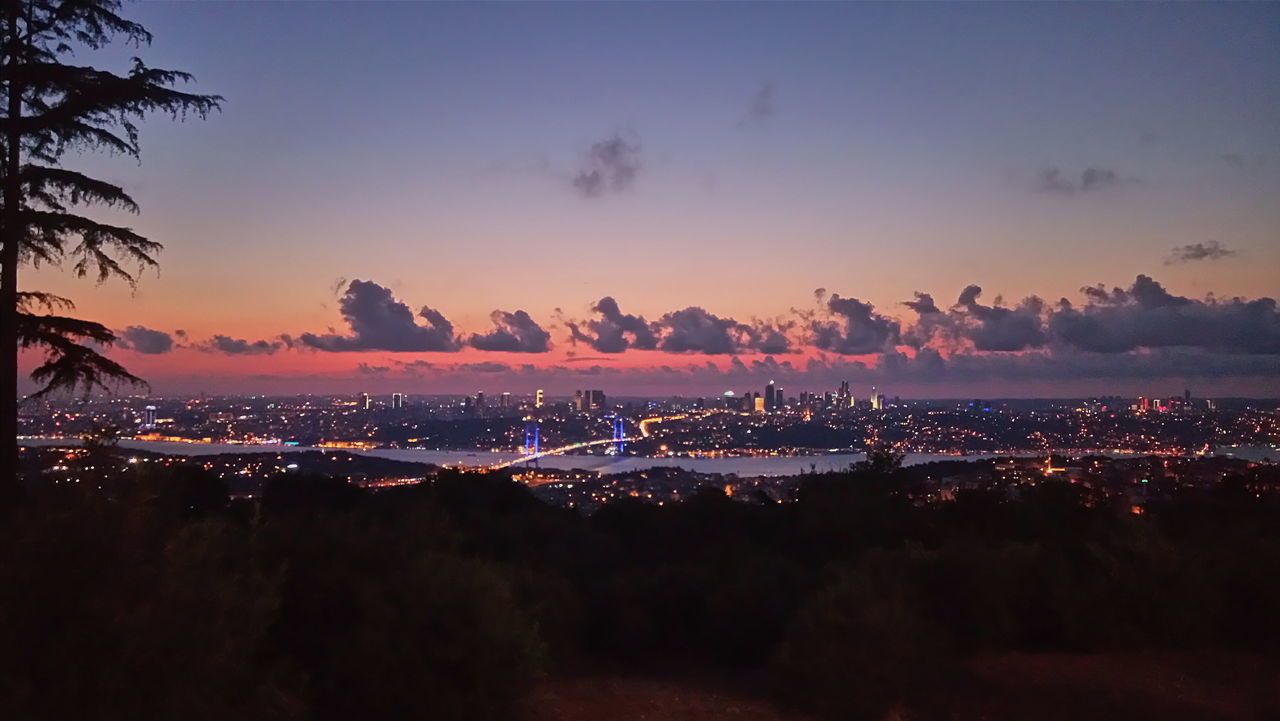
(1018, 200)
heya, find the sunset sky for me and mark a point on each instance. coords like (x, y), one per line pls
(733, 158)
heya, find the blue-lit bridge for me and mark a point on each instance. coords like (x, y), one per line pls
(532, 437)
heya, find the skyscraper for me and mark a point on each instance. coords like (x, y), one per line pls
(397, 401)
(364, 401)
(537, 399)
(770, 397)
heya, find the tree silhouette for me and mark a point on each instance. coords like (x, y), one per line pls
(52, 107)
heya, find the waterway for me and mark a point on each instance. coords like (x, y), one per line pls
(745, 466)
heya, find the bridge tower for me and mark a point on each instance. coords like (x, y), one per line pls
(532, 439)
(619, 444)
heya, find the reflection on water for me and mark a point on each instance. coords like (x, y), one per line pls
(745, 466)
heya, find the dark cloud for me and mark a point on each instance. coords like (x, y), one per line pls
(761, 106)
(1147, 316)
(1053, 180)
(853, 328)
(144, 340)
(614, 331)
(513, 333)
(239, 346)
(379, 322)
(996, 328)
(923, 304)
(771, 338)
(694, 330)
(611, 166)
(481, 367)
(1212, 250)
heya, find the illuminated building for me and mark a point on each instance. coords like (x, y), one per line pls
(397, 400)
(149, 417)
(593, 400)
(537, 399)
(364, 401)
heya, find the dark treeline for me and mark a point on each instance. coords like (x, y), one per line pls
(162, 599)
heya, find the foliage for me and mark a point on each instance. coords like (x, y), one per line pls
(448, 600)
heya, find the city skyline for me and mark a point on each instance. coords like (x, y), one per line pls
(709, 171)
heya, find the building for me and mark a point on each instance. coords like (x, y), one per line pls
(365, 402)
(397, 401)
(149, 417)
(593, 400)
(770, 397)
(538, 399)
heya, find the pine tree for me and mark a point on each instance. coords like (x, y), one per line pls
(51, 107)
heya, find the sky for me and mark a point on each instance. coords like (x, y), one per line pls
(690, 198)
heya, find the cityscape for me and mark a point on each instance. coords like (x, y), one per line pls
(679, 361)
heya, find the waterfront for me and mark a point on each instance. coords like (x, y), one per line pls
(747, 466)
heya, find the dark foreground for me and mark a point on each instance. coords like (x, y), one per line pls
(151, 595)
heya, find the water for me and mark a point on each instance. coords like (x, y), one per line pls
(741, 466)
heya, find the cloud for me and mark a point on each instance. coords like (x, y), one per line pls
(1212, 250)
(996, 328)
(379, 322)
(513, 333)
(611, 166)
(761, 106)
(613, 331)
(481, 367)
(853, 327)
(238, 346)
(144, 340)
(1053, 180)
(1146, 316)
(694, 330)
(923, 304)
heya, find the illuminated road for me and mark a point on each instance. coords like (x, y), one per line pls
(644, 433)
(558, 451)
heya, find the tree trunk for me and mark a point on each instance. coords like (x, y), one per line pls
(12, 489)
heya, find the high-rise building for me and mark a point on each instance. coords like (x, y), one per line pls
(779, 400)
(149, 417)
(537, 399)
(504, 400)
(480, 399)
(578, 401)
(758, 404)
(397, 401)
(593, 400)
(770, 397)
(364, 401)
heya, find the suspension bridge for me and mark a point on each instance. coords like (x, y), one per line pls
(533, 440)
